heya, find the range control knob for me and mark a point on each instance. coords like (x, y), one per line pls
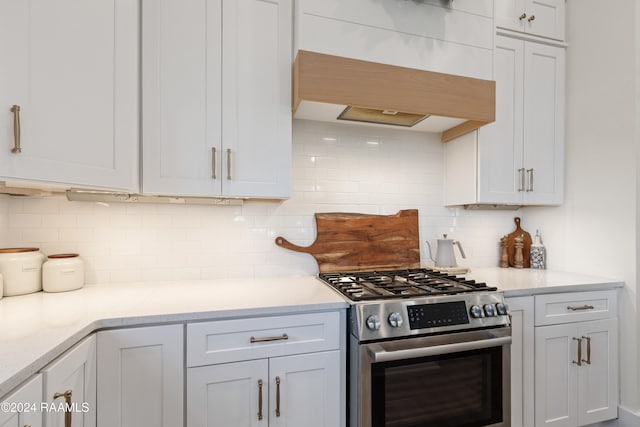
(373, 322)
(490, 310)
(476, 311)
(502, 309)
(395, 320)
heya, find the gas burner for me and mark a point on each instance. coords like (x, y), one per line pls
(369, 285)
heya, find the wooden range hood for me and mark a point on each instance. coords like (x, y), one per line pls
(326, 85)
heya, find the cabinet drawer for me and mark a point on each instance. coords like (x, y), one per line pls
(553, 309)
(261, 337)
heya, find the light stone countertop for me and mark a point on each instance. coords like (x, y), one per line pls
(37, 328)
(516, 282)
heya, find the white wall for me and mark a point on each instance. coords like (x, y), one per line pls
(336, 167)
(595, 231)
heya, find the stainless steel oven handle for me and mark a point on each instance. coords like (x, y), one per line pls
(377, 353)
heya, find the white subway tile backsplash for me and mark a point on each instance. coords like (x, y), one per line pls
(336, 168)
(38, 236)
(25, 220)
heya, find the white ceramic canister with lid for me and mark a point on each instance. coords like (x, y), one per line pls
(21, 269)
(63, 272)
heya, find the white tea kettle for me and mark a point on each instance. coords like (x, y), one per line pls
(444, 253)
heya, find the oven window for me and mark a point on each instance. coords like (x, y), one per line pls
(454, 390)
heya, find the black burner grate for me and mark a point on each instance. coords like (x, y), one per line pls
(368, 285)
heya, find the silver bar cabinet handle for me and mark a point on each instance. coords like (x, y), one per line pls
(266, 339)
(579, 362)
(277, 396)
(521, 173)
(588, 339)
(530, 172)
(229, 163)
(582, 307)
(16, 129)
(213, 163)
(259, 399)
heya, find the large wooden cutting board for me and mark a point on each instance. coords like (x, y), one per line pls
(361, 242)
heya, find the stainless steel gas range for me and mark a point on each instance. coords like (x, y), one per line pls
(425, 349)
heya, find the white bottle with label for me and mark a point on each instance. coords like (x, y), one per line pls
(538, 253)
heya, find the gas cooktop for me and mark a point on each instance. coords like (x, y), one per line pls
(394, 284)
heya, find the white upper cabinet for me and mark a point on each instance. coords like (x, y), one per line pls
(72, 68)
(543, 145)
(447, 37)
(217, 98)
(543, 18)
(518, 159)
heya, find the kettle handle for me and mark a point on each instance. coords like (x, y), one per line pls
(430, 254)
(455, 242)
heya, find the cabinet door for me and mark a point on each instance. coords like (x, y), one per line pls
(72, 67)
(522, 348)
(507, 14)
(230, 394)
(304, 390)
(26, 397)
(256, 94)
(140, 376)
(546, 18)
(181, 93)
(538, 17)
(556, 375)
(74, 372)
(544, 70)
(500, 143)
(598, 380)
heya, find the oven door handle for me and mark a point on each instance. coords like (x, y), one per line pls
(377, 352)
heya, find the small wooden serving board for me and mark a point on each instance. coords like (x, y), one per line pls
(526, 250)
(363, 242)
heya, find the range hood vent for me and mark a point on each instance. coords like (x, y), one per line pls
(327, 86)
(385, 117)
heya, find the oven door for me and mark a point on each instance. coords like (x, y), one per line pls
(454, 380)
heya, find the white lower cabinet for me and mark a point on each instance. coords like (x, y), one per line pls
(70, 382)
(283, 391)
(564, 359)
(269, 371)
(522, 388)
(576, 362)
(140, 377)
(24, 409)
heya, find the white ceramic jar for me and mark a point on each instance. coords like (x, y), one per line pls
(21, 269)
(63, 272)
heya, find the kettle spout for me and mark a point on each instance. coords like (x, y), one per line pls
(430, 253)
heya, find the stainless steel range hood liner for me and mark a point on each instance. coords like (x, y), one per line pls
(328, 79)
